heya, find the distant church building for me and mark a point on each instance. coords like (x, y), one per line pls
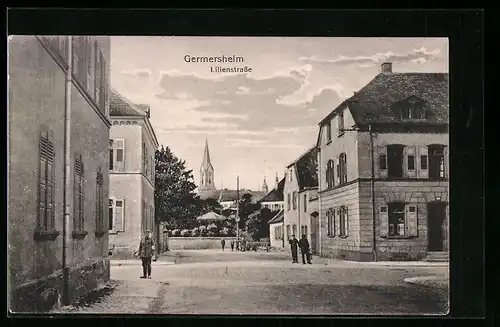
(206, 172)
(226, 197)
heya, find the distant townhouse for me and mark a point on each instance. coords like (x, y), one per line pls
(301, 206)
(276, 230)
(383, 158)
(274, 199)
(58, 134)
(132, 151)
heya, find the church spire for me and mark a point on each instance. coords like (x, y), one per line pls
(264, 186)
(206, 156)
(206, 171)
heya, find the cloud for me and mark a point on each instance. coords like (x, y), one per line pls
(137, 72)
(420, 56)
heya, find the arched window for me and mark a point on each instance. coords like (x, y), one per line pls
(330, 175)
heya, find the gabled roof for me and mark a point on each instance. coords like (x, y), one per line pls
(373, 104)
(306, 167)
(121, 106)
(278, 218)
(276, 194)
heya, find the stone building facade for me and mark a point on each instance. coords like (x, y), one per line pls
(300, 194)
(384, 171)
(133, 146)
(57, 255)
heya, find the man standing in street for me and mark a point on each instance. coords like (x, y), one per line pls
(232, 245)
(304, 249)
(146, 252)
(223, 244)
(293, 246)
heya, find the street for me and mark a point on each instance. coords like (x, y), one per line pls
(245, 283)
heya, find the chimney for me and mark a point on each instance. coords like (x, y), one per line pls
(386, 67)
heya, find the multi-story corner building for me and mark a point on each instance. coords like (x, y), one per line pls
(300, 193)
(383, 158)
(133, 146)
(58, 136)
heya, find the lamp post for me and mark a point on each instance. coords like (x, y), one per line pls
(372, 187)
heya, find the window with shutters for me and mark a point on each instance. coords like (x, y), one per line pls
(46, 187)
(111, 158)
(100, 224)
(119, 215)
(330, 174)
(79, 199)
(119, 160)
(287, 232)
(111, 214)
(330, 217)
(294, 200)
(343, 222)
(288, 201)
(90, 65)
(342, 167)
(294, 230)
(397, 219)
(305, 202)
(329, 132)
(395, 157)
(436, 161)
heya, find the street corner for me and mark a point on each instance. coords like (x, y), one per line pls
(439, 282)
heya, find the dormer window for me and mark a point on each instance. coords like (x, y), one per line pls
(410, 108)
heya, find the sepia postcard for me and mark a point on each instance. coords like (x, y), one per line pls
(228, 175)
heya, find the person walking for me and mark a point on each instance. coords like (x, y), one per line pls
(232, 245)
(294, 247)
(304, 249)
(146, 251)
(223, 244)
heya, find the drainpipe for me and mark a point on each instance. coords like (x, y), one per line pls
(319, 202)
(372, 179)
(67, 171)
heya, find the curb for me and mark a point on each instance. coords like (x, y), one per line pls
(428, 281)
(409, 264)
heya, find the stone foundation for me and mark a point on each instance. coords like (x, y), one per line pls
(45, 293)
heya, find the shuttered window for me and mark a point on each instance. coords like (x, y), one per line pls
(398, 220)
(79, 195)
(119, 221)
(119, 163)
(342, 168)
(46, 184)
(99, 214)
(343, 222)
(330, 174)
(330, 216)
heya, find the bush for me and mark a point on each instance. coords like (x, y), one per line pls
(224, 231)
(185, 232)
(195, 231)
(203, 230)
(212, 230)
(176, 232)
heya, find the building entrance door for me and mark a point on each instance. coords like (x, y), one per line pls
(314, 232)
(436, 214)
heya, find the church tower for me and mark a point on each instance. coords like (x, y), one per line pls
(264, 186)
(206, 172)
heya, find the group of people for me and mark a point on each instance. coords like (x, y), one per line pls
(238, 244)
(304, 247)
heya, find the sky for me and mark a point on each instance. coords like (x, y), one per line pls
(257, 122)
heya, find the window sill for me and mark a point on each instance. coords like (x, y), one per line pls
(46, 235)
(399, 237)
(341, 134)
(328, 142)
(80, 234)
(100, 233)
(344, 236)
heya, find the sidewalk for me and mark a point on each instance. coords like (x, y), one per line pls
(388, 263)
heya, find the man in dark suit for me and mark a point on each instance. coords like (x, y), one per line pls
(304, 249)
(146, 252)
(294, 247)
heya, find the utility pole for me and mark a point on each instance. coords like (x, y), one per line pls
(237, 208)
(374, 246)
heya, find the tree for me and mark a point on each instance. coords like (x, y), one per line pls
(257, 223)
(175, 200)
(210, 205)
(246, 207)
